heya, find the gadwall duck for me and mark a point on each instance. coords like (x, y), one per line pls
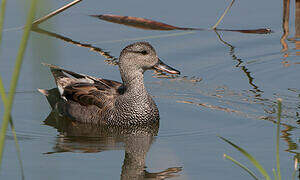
(87, 99)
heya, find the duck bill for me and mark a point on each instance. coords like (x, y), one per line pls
(163, 67)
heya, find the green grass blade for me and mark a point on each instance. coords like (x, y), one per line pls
(17, 147)
(15, 76)
(251, 158)
(2, 14)
(3, 96)
(275, 174)
(277, 138)
(2, 91)
(241, 166)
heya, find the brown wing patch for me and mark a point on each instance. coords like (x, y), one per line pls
(91, 94)
(83, 89)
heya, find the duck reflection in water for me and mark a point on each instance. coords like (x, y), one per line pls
(89, 138)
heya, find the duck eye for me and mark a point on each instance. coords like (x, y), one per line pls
(144, 52)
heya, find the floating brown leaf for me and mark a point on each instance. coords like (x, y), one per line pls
(139, 22)
(250, 31)
(148, 24)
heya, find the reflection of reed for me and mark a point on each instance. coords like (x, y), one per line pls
(35, 28)
(256, 89)
(297, 18)
(292, 146)
(286, 137)
(110, 59)
(297, 26)
(225, 109)
(285, 25)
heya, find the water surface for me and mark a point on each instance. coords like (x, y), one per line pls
(229, 86)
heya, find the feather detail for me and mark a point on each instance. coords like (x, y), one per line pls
(83, 89)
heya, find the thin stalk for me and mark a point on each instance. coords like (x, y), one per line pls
(3, 96)
(2, 14)
(15, 76)
(2, 91)
(251, 158)
(223, 15)
(17, 146)
(48, 16)
(275, 174)
(277, 138)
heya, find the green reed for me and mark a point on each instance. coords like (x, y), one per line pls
(277, 140)
(2, 14)
(3, 95)
(15, 76)
(277, 172)
(250, 158)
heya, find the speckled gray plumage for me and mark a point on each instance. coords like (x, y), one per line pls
(93, 100)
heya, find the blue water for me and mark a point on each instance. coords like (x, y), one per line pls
(235, 95)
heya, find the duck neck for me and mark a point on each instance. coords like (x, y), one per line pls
(134, 82)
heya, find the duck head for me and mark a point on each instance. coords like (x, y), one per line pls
(141, 56)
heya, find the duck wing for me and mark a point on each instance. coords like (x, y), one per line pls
(83, 89)
(90, 93)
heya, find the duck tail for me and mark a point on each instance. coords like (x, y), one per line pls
(52, 96)
(56, 71)
(61, 79)
(44, 92)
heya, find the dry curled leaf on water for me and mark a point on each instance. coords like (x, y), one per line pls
(249, 31)
(138, 22)
(148, 24)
